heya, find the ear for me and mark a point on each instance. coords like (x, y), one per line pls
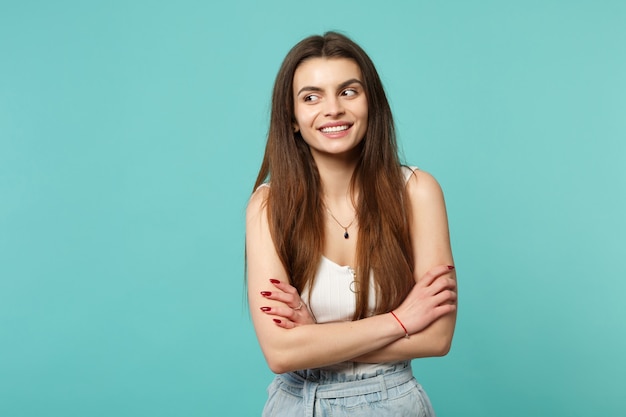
(296, 128)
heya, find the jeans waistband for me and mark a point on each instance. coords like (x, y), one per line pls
(367, 385)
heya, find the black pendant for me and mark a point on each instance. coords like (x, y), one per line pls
(346, 235)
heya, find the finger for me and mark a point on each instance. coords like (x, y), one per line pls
(442, 283)
(444, 309)
(284, 286)
(285, 324)
(445, 297)
(280, 312)
(440, 311)
(437, 313)
(434, 273)
(295, 301)
(289, 300)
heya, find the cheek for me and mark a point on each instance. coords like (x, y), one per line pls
(365, 111)
(364, 116)
(297, 114)
(304, 118)
(362, 111)
(306, 136)
(365, 122)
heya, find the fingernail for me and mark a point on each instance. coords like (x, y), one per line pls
(277, 321)
(266, 293)
(450, 267)
(274, 281)
(266, 308)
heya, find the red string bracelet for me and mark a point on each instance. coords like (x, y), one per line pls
(406, 334)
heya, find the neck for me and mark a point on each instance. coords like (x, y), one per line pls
(336, 177)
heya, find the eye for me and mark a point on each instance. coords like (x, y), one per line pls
(349, 92)
(311, 98)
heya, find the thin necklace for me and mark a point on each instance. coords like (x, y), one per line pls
(346, 235)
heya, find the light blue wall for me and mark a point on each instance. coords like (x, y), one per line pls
(130, 136)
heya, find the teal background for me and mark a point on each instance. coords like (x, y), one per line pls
(130, 137)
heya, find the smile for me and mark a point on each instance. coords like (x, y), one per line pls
(334, 129)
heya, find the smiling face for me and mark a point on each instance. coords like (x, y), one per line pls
(330, 106)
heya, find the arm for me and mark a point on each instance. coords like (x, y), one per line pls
(304, 346)
(431, 246)
(312, 345)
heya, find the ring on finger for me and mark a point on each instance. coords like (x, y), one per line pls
(299, 305)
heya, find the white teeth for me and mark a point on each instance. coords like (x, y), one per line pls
(334, 129)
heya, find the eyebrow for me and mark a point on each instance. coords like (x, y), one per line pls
(340, 87)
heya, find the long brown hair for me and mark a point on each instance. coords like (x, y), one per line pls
(295, 206)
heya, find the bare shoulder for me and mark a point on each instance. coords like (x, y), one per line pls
(257, 202)
(423, 188)
(430, 236)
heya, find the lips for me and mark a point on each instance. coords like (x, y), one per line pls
(335, 128)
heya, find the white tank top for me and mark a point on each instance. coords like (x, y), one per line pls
(332, 298)
(333, 295)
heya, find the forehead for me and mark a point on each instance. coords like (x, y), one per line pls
(325, 72)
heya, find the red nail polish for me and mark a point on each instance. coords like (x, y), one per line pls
(266, 308)
(277, 321)
(274, 281)
(266, 293)
(450, 267)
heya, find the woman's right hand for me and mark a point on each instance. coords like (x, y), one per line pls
(294, 311)
(433, 296)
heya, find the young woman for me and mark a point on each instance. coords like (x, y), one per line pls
(350, 270)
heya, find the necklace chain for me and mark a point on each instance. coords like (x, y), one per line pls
(346, 235)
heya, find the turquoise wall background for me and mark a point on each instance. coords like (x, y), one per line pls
(130, 136)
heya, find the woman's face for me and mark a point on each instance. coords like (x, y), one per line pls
(330, 106)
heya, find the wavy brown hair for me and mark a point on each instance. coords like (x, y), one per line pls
(295, 204)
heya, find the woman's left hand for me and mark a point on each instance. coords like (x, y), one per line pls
(294, 312)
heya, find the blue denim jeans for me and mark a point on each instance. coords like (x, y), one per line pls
(313, 393)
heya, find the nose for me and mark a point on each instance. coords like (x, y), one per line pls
(333, 107)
